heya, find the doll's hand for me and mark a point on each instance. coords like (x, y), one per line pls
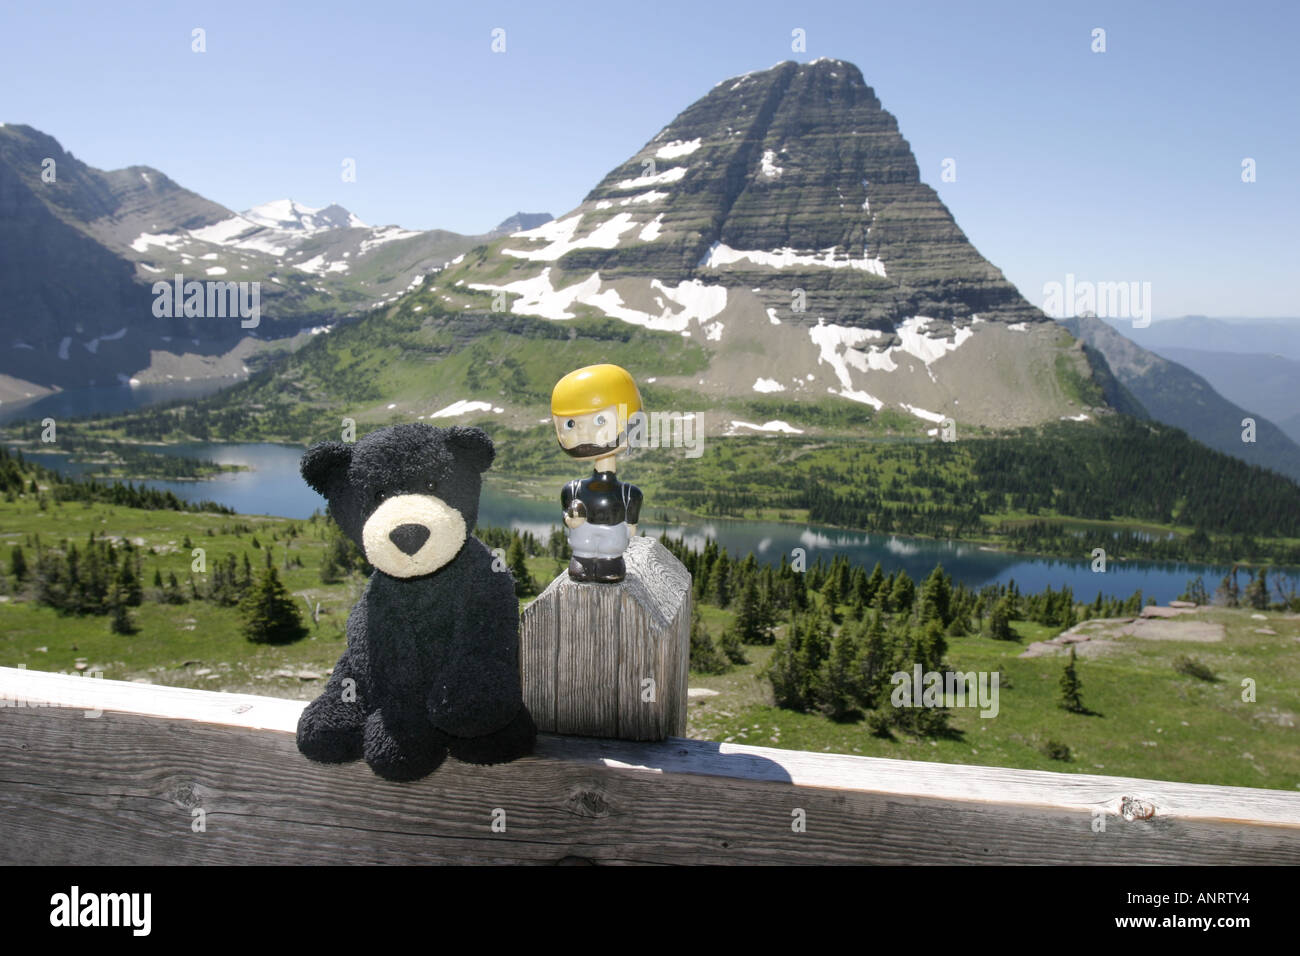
(631, 529)
(575, 515)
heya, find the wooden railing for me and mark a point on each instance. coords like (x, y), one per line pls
(96, 771)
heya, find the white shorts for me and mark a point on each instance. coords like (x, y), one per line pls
(590, 540)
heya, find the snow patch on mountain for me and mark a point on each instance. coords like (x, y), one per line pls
(385, 234)
(651, 196)
(689, 301)
(657, 179)
(317, 265)
(677, 148)
(652, 230)
(776, 425)
(145, 240)
(464, 406)
(922, 413)
(916, 342)
(768, 166)
(768, 385)
(558, 234)
(721, 254)
(285, 214)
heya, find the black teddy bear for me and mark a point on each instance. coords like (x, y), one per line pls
(432, 663)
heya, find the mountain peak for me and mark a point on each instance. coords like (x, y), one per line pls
(520, 222)
(292, 216)
(781, 221)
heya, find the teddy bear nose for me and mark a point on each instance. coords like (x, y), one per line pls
(409, 537)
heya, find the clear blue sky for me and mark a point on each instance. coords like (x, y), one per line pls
(1116, 166)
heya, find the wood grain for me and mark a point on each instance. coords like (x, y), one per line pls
(122, 788)
(586, 650)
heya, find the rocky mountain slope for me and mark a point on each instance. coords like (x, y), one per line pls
(1267, 385)
(780, 221)
(80, 249)
(1178, 396)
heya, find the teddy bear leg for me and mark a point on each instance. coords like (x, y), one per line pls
(329, 729)
(401, 751)
(514, 740)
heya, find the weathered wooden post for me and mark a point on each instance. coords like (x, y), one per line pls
(611, 660)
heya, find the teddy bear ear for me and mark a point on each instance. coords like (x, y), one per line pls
(473, 445)
(324, 461)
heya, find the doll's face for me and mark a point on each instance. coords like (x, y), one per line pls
(594, 435)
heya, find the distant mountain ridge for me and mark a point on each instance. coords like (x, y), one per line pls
(1178, 396)
(79, 256)
(1267, 385)
(1261, 336)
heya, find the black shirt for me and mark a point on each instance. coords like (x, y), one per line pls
(607, 500)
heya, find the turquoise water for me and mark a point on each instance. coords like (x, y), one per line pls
(273, 486)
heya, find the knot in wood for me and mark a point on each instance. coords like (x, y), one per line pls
(589, 803)
(186, 795)
(1134, 808)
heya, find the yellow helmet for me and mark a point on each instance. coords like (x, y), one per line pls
(590, 389)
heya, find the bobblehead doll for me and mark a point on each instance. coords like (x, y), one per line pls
(591, 407)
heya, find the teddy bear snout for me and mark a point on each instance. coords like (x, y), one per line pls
(409, 538)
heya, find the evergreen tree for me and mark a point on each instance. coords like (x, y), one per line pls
(873, 661)
(1257, 591)
(903, 594)
(705, 656)
(1071, 686)
(814, 648)
(749, 616)
(874, 584)
(1228, 589)
(936, 597)
(858, 609)
(120, 622)
(1195, 592)
(329, 570)
(730, 644)
(840, 686)
(18, 563)
(128, 583)
(269, 613)
(1000, 621)
(785, 672)
(720, 580)
(524, 585)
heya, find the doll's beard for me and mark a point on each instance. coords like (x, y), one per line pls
(597, 451)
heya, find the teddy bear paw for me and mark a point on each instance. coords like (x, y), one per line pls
(328, 733)
(404, 757)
